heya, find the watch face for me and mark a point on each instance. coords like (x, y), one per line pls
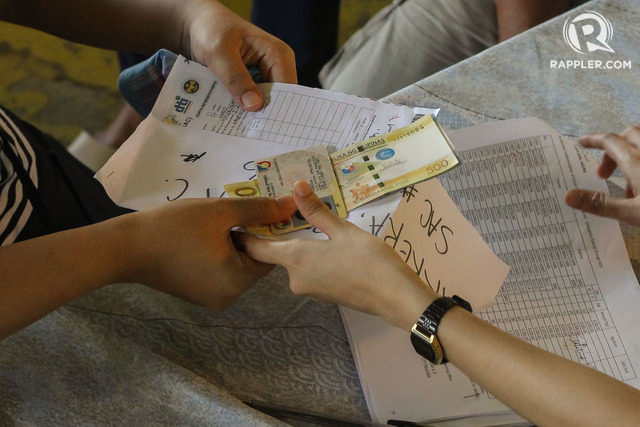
(424, 349)
(423, 333)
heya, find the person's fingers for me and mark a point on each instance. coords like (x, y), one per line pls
(249, 211)
(279, 66)
(601, 204)
(614, 145)
(280, 72)
(607, 167)
(253, 269)
(619, 150)
(629, 192)
(263, 250)
(274, 58)
(234, 75)
(247, 270)
(632, 133)
(314, 210)
(594, 140)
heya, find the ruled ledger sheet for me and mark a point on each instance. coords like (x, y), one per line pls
(571, 289)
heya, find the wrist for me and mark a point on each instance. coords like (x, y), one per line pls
(126, 254)
(410, 301)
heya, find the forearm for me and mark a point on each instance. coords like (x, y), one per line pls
(132, 25)
(544, 388)
(516, 16)
(41, 274)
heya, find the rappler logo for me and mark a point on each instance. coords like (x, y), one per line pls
(585, 34)
(588, 32)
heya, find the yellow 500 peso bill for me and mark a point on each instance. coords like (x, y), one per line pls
(380, 165)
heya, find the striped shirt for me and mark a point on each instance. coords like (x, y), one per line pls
(17, 163)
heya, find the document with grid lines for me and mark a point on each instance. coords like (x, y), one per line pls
(197, 138)
(571, 289)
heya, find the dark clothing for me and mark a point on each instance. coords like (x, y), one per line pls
(43, 189)
(310, 27)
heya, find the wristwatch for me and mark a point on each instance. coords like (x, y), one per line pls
(423, 333)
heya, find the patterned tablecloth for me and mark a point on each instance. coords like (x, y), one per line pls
(129, 355)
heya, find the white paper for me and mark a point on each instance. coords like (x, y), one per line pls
(571, 289)
(197, 139)
(293, 115)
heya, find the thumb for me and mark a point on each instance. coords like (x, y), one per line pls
(235, 76)
(264, 250)
(314, 210)
(601, 204)
(249, 211)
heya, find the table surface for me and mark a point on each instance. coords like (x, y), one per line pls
(127, 354)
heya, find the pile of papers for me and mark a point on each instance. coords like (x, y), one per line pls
(570, 288)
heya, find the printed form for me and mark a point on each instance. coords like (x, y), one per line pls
(197, 138)
(571, 289)
(293, 115)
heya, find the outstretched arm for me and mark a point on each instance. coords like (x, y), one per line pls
(542, 387)
(203, 30)
(183, 248)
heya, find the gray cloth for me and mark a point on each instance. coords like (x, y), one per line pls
(127, 355)
(409, 41)
(514, 79)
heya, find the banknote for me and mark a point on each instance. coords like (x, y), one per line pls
(382, 164)
(276, 176)
(248, 189)
(295, 222)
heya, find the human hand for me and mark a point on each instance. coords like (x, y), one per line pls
(352, 268)
(220, 39)
(622, 151)
(203, 30)
(186, 248)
